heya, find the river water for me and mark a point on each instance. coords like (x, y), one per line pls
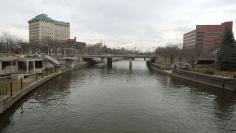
(121, 100)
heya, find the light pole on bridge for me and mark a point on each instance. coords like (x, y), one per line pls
(154, 50)
(1, 47)
(134, 51)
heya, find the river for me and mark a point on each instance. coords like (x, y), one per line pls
(121, 100)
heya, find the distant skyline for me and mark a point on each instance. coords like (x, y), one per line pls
(143, 24)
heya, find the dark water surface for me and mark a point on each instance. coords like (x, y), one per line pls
(119, 100)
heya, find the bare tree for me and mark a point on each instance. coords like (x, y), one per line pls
(171, 51)
(9, 43)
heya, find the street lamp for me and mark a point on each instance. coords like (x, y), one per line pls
(153, 50)
(1, 47)
(134, 51)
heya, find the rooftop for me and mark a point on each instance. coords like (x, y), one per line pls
(44, 17)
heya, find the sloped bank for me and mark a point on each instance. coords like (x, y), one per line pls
(9, 101)
(157, 68)
(204, 79)
(209, 80)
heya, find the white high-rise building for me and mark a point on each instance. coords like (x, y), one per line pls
(43, 29)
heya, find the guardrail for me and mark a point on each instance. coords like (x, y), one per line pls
(10, 87)
(118, 56)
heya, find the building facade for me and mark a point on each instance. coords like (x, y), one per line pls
(43, 29)
(205, 39)
(68, 47)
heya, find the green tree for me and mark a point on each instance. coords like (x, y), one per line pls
(227, 53)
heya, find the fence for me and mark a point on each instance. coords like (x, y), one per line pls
(10, 87)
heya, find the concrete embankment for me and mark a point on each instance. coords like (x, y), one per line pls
(158, 68)
(204, 79)
(9, 101)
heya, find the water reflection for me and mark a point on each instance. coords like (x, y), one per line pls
(223, 102)
(54, 90)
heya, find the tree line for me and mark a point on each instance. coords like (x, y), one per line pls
(225, 57)
(13, 45)
(9, 43)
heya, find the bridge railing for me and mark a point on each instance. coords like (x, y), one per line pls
(121, 56)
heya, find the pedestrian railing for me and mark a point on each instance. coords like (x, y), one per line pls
(10, 87)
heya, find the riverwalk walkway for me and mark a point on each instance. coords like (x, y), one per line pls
(19, 88)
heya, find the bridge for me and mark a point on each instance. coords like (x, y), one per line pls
(109, 57)
(119, 56)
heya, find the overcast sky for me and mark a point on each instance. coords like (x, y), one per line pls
(120, 23)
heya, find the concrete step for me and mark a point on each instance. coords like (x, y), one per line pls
(53, 60)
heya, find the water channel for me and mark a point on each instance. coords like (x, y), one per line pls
(121, 100)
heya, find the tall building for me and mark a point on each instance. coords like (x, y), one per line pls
(205, 39)
(43, 29)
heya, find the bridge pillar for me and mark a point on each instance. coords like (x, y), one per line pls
(109, 62)
(27, 66)
(0, 67)
(33, 66)
(130, 63)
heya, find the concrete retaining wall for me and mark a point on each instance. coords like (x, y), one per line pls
(204, 79)
(210, 80)
(8, 101)
(157, 68)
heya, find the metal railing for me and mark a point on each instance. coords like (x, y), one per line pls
(10, 87)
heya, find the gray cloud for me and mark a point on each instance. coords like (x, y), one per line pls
(120, 23)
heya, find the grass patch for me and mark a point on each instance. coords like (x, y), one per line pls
(210, 69)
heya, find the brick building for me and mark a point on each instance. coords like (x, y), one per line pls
(70, 46)
(205, 39)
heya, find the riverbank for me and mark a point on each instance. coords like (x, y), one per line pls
(204, 79)
(8, 101)
(158, 69)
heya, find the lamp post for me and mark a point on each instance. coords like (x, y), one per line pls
(153, 50)
(134, 51)
(1, 48)
(9, 47)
